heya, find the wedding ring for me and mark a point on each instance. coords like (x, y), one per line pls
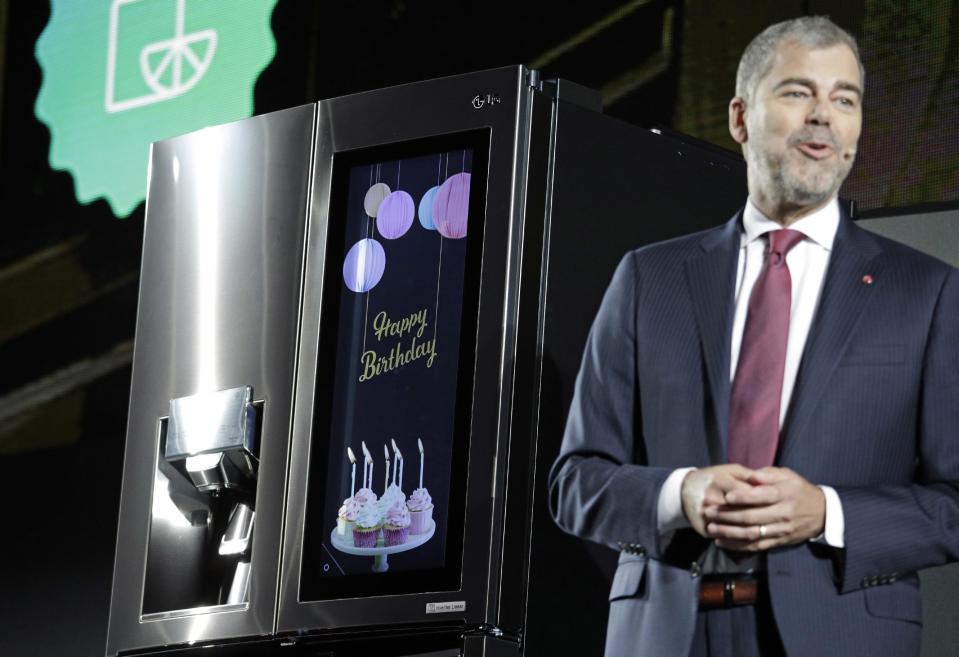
(762, 531)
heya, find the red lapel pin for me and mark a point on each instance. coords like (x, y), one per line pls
(867, 279)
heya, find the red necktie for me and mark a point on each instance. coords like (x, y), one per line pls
(758, 384)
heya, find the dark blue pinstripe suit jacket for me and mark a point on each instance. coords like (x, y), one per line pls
(874, 413)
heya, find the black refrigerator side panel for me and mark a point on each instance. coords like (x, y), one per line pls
(615, 187)
(513, 573)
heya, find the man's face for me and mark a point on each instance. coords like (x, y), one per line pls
(801, 126)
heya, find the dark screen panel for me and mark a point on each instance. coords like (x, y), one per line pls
(395, 369)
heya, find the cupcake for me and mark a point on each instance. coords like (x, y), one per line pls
(396, 527)
(346, 518)
(367, 528)
(420, 506)
(364, 496)
(391, 496)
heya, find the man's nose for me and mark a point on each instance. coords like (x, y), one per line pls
(820, 113)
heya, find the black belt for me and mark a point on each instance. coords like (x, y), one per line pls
(724, 591)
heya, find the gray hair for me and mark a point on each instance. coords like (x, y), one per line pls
(814, 32)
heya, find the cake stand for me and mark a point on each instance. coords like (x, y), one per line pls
(380, 552)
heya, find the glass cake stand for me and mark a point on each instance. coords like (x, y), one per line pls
(380, 552)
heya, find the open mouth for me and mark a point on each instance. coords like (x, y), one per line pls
(815, 149)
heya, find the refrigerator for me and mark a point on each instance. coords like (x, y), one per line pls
(359, 325)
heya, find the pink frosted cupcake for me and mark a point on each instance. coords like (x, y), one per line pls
(367, 528)
(364, 496)
(391, 496)
(346, 518)
(396, 527)
(420, 506)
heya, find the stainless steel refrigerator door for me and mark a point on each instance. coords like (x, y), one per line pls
(497, 101)
(219, 303)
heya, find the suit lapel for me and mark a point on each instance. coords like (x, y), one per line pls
(712, 274)
(843, 298)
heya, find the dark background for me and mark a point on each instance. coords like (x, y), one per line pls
(69, 272)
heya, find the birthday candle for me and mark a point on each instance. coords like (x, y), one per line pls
(349, 453)
(400, 457)
(396, 455)
(367, 479)
(386, 481)
(419, 443)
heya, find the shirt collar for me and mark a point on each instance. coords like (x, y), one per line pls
(820, 226)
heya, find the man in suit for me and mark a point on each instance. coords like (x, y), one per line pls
(766, 420)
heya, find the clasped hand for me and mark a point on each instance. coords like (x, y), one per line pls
(753, 510)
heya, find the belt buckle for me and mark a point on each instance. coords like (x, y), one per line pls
(711, 585)
(729, 589)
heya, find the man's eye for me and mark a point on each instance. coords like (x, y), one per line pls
(797, 94)
(846, 102)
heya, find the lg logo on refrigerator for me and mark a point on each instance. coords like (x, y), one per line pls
(485, 100)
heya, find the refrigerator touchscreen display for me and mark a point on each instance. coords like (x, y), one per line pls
(387, 482)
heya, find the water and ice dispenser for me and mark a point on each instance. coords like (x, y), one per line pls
(209, 442)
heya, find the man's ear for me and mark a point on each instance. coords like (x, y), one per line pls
(737, 120)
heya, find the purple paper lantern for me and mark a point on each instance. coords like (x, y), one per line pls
(395, 215)
(451, 206)
(426, 208)
(364, 265)
(374, 196)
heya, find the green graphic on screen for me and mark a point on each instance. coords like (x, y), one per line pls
(120, 74)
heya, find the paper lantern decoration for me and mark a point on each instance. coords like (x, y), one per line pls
(426, 208)
(374, 197)
(364, 265)
(451, 206)
(395, 215)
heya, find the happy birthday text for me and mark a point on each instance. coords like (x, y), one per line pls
(402, 352)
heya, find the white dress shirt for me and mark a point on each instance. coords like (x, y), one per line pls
(807, 262)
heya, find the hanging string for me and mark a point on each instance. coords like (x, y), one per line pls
(364, 209)
(439, 264)
(369, 235)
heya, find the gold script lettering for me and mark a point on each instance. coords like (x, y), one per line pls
(384, 327)
(374, 364)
